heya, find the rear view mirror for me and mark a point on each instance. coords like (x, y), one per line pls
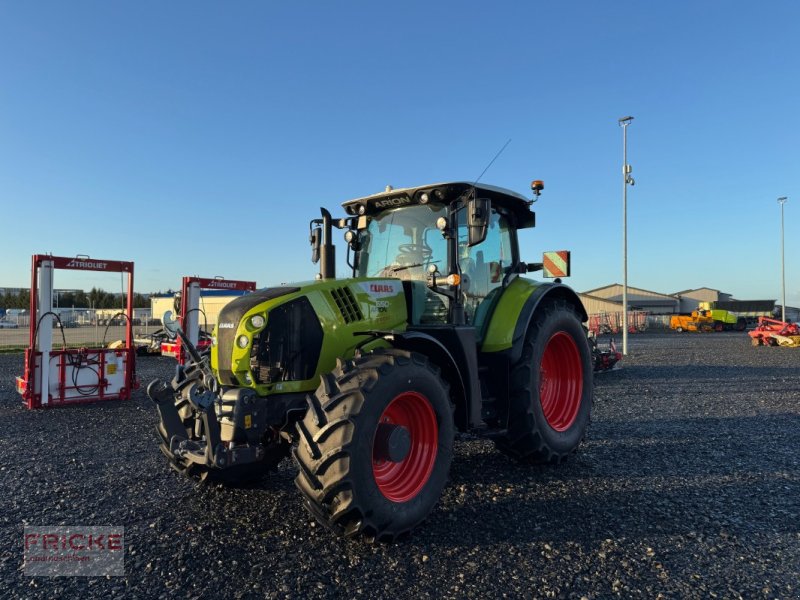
(170, 324)
(316, 240)
(478, 212)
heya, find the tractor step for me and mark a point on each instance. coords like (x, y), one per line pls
(493, 434)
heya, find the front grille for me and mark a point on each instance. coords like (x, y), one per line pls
(230, 315)
(288, 348)
(347, 304)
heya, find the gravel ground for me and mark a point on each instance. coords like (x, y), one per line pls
(689, 485)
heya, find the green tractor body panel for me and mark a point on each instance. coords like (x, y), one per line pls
(289, 326)
(724, 316)
(500, 332)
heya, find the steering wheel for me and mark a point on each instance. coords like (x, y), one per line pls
(422, 250)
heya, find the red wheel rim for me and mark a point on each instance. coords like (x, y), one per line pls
(402, 481)
(561, 381)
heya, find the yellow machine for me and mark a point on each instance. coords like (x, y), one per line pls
(706, 318)
(699, 320)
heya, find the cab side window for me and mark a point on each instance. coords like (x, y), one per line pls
(484, 266)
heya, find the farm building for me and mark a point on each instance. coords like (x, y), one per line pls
(690, 299)
(604, 305)
(638, 299)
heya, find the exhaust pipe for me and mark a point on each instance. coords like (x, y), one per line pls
(327, 263)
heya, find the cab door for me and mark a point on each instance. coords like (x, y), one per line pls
(484, 267)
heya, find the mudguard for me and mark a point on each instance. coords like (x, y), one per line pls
(512, 316)
(452, 349)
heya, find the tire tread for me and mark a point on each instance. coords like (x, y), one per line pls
(325, 478)
(522, 440)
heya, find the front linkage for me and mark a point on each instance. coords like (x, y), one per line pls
(212, 432)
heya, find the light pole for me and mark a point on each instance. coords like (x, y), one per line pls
(626, 181)
(782, 200)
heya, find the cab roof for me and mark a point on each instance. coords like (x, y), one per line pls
(444, 193)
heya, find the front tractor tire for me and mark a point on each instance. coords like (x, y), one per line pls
(375, 445)
(550, 389)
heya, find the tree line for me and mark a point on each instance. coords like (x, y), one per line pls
(96, 298)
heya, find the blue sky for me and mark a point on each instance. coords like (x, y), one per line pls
(200, 137)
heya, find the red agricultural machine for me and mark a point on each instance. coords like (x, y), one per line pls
(772, 332)
(606, 358)
(605, 323)
(56, 377)
(190, 312)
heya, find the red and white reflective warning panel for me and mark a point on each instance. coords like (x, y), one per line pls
(556, 264)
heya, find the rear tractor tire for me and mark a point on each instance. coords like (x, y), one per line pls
(550, 389)
(375, 445)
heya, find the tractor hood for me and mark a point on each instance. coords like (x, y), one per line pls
(279, 340)
(232, 314)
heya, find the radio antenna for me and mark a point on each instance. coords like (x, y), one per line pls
(491, 162)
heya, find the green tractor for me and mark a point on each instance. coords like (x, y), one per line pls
(365, 380)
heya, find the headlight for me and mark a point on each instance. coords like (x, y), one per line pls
(257, 321)
(242, 341)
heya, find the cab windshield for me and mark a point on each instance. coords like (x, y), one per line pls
(402, 243)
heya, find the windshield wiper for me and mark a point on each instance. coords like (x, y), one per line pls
(404, 267)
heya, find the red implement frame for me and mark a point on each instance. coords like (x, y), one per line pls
(127, 354)
(763, 333)
(216, 283)
(604, 323)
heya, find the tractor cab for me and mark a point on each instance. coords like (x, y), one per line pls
(453, 244)
(413, 244)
